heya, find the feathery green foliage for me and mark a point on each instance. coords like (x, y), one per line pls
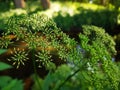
(38, 33)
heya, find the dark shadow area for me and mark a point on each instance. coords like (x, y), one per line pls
(5, 5)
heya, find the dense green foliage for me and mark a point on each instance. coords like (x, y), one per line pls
(38, 33)
(91, 70)
(87, 63)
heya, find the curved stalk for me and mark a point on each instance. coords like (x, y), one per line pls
(35, 70)
(68, 78)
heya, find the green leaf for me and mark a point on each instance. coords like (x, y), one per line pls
(4, 66)
(2, 51)
(14, 85)
(4, 80)
(7, 83)
(47, 82)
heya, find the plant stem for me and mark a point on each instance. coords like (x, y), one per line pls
(69, 77)
(34, 67)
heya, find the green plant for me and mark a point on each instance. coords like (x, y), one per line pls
(100, 48)
(89, 68)
(38, 34)
(6, 82)
(35, 38)
(86, 62)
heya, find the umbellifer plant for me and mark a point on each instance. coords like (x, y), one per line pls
(86, 62)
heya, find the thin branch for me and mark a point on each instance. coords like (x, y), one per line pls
(69, 77)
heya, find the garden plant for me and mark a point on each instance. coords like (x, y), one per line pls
(70, 64)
